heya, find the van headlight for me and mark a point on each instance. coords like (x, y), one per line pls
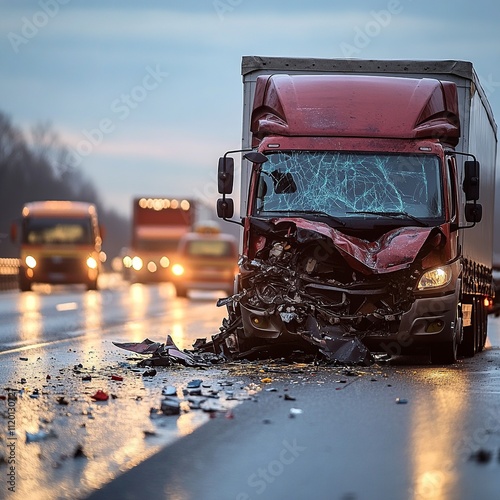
(91, 263)
(178, 269)
(434, 278)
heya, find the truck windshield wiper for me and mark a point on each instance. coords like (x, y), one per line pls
(317, 212)
(392, 215)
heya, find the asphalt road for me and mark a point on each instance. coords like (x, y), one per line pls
(353, 439)
(281, 431)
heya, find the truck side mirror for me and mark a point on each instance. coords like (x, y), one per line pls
(471, 180)
(13, 232)
(473, 212)
(225, 208)
(225, 175)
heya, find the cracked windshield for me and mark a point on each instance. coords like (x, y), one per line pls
(344, 183)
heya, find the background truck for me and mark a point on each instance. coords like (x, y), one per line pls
(60, 243)
(367, 205)
(158, 224)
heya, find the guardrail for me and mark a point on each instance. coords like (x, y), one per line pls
(9, 271)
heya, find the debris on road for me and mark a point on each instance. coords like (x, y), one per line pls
(294, 412)
(168, 354)
(100, 396)
(481, 456)
(40, 435)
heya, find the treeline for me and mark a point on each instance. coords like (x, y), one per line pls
(36, 166)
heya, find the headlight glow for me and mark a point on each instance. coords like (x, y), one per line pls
(177, 269)
(30, 261)
(91, 263)
(152, 267)
(137, 263)
(164, 261)
(434, 278)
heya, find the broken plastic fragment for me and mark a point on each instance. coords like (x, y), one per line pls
(33, 437)
(294, 412)
(401, 401)
(194, 384)
(117, 378)
(100, 396)
(266, 380)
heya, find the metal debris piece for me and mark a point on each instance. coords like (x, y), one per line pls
(194, 384)
(42, 434)
(481, 456)
(169, 390)
(149, 373)
(145, 347)
(170, 406)
(401, 401)
(168, 353)
(79, 453)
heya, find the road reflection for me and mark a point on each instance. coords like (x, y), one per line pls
(30, 318)
(439, 412)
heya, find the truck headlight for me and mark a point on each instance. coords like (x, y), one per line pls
(91, 263)
(177, 269)
(434, 278)
(137, 263)
(30, 261)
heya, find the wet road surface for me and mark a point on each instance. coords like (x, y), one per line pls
(402, 430)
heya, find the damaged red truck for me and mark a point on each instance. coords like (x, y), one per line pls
(366, 204)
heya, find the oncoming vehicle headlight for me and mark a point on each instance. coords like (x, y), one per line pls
(30, 261)
(137, 263)
(91, 263)
(434, 278)
(177, 269)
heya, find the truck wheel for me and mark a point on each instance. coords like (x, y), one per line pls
(24, 285)
(468, 346)
(92, 285)
(484, 326)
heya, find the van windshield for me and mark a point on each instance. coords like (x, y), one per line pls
(210, 248)
(346, 184)
(57, 231)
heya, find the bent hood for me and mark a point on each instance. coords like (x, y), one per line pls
(393, 251)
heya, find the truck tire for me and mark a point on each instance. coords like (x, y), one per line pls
(24, 284)
(92, 285)
(483, 315)
(180, 291)
(469, 343)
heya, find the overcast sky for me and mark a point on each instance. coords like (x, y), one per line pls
(156, 85)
